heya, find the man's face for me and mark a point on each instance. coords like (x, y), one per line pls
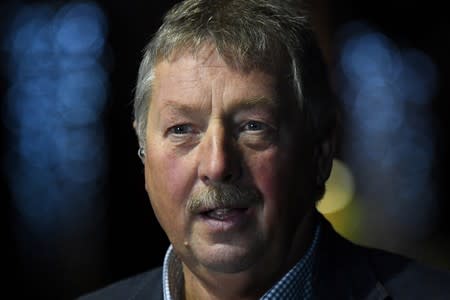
(225, 165)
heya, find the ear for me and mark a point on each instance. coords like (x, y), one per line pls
(324, 154)
(141, 154)
(141, 150)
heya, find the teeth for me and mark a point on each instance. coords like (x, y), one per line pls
(219, 213)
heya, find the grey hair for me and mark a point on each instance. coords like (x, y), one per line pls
(271, 35)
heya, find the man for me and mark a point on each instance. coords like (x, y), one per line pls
(235, 122)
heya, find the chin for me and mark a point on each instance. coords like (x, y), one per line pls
(226, 258)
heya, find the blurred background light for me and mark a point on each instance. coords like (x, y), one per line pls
(419, 80)
(53, 112)
(386, 91)
(369, 59)
(340, 189)
(82, 95)
(80, 29)
(53, 109)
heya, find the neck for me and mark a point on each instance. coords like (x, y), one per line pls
(255, 281)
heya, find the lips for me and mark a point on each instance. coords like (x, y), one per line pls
(224, 207)
(223, 214)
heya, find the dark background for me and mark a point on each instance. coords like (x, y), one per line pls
(134, 241)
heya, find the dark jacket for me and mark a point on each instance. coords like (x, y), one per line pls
(343, 271)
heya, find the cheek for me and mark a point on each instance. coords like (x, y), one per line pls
(165, 171)
(266, 172)
(272, 174)
(168, 186)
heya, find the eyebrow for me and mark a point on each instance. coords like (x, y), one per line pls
(249, 103)
(252, 103)
(244, 104)
(178, 107)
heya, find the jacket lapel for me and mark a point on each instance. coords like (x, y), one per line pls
(342, 271)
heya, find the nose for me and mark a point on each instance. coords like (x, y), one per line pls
(219, 160)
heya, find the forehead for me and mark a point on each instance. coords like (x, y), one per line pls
(205, 75)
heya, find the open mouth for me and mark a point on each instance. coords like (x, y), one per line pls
(224, 214)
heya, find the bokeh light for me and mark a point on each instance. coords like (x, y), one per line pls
(80, 29)
(55, 161)
(386, 91)
(53, 112)
(340, 189)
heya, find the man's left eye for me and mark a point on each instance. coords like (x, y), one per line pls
(254, 126)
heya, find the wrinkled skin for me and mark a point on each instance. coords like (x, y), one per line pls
(210, 125)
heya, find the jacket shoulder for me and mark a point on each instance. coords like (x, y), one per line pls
(371, 273)
(408, 278)
(147, 285)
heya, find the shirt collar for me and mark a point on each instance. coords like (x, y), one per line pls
(295, 284)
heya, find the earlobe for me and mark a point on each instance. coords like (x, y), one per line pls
(141, 154)
(141, 151)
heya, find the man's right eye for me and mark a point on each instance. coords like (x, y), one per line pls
(180, 129)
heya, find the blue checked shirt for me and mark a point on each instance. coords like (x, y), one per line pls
(295, 284)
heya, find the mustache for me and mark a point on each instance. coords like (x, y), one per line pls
(223, 196)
